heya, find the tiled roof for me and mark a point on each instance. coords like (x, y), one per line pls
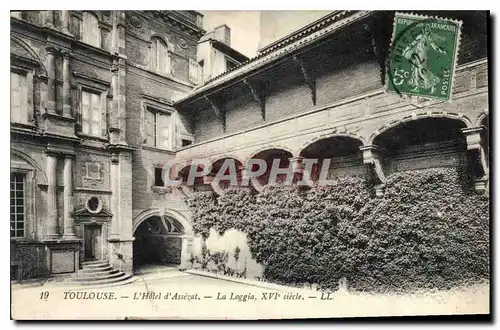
(296, 41)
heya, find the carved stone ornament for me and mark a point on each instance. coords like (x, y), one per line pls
(92, 173)
(135, 21)
(183, 43)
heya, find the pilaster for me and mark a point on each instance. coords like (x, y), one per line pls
(69, 221)
(50, 168)
(66, 85)
(51, 78)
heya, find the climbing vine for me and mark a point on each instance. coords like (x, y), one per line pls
(426, 230)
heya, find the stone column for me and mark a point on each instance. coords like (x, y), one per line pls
(69, 230)
(65, 22)
(66, 85)
(52, 225)
(51, 75)
(114, 199)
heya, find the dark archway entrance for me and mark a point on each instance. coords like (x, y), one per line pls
(158, 241)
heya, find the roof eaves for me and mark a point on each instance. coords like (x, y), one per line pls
(319, 31)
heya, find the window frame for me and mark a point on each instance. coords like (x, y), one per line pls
(157, 138)
(84, 39)
(103, 98)
(156, 46)
(158, 106)
(28, 72)
(24, 205)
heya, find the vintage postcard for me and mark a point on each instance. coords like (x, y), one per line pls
(249, 165)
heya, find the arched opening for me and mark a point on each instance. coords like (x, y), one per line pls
(157, 242)
(341, 151)
(423, 143)
(269, 156)
(232, 171)
(200, 183)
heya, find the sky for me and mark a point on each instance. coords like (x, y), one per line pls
(251, 30)
(245, 28)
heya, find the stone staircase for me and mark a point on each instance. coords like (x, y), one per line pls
(100, 273)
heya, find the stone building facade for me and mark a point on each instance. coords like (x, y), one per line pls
(91, 114)
(91, 187)
(319, 93)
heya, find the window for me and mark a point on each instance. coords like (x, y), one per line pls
(160, 57)
(91, 32)
(193, 71)
(230, 64)
(18, 98)
(91, 113)
(158, 129)
(185, 143)
(158, 177)
(17, 209)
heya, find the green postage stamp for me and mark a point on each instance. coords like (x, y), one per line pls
(423, 56)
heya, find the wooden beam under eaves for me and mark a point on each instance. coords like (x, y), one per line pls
(218, 110)
(308, 75)
(258, 95)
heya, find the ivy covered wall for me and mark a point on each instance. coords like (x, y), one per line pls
(427, 230)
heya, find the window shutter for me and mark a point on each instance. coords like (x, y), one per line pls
(23, 89)
(168, 62)
(164, 130)
(15, 103)
(104, 112)
(31, 82)
(85, 112)
(154, 54)
(162, 58)
(193, 71)
(78, 108)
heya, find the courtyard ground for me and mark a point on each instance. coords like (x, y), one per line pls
(197, 298)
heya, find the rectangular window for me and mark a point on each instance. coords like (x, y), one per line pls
(17, 206)
(91, 113)
(158, 177)
(18, 98)
(185, 143)
(158, 129)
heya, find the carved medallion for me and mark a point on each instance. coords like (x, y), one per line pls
(183, 43)
(135, 21)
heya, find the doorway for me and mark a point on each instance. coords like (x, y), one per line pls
(157, 242)
(92, 242)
